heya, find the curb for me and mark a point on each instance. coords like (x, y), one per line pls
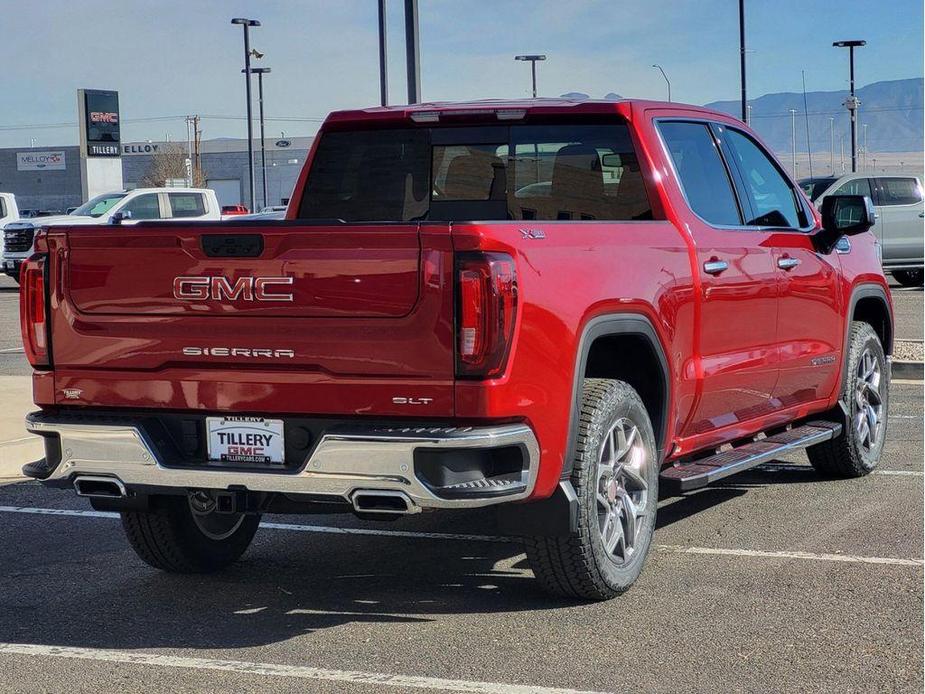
(909, 370)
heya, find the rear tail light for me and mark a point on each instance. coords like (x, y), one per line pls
(33, 315)
(486, 313)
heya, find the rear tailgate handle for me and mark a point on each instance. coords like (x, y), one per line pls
(232, 245)
(787, 263)
(715, 267)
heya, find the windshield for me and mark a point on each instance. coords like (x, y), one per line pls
(814, 187)
(98, 206)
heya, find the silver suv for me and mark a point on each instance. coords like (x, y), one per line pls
(900, 213)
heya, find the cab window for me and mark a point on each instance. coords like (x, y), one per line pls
(144, 207)
(186, 205)
(772, 199)
(857, 186)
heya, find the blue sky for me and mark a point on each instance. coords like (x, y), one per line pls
(173, 57)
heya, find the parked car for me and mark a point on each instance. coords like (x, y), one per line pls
(124, 207)
(900, 226)
(647, 303)
(273, 208)
(234, 210)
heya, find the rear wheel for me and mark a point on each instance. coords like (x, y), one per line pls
(615, 476)
(186, 534)
(909, 278)
(856, 451)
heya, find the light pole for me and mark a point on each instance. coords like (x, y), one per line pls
(247, 24)
(656, 65)
(852, 103)
(260, 72)
(413, 51)
(748, 114)
(742, 58)
(532, 59)
(832, 134)
(383, 58)
(793, 139)
(866, 151)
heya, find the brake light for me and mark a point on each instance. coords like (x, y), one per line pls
(32, 315)
(486, 313)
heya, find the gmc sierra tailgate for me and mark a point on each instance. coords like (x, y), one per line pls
(312, 319)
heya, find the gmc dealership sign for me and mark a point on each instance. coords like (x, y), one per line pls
(40, 161)
(101, 123)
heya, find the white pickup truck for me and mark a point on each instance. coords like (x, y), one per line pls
(9, 212)
(121, 207)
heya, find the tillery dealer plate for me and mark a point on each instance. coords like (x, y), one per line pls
(245, 439)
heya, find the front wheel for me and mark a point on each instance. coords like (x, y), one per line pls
(615, 476)
(866, 393)
(909, 278)
(186, 534)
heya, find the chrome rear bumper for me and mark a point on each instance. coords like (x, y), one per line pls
(345, 461)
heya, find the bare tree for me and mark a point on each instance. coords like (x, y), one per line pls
(169, 162)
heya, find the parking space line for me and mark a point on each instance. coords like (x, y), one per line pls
(327, 529)
(11, 350)
(242, 667)
(850, 558)
(791, 467)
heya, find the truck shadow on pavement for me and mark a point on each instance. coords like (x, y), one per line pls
(74, 581)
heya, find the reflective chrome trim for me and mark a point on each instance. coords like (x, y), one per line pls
(344, 461)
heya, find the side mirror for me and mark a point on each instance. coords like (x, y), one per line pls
(843, 215)
(118, 217)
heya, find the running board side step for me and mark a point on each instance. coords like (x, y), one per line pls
(694, 474)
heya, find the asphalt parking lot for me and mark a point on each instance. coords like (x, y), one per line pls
(774, 581)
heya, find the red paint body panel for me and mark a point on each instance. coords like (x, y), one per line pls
(372, 315)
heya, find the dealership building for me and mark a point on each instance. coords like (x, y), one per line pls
(49, 178)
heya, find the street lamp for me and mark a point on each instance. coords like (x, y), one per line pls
(852, 103)
(260, 72)
(532, 59)
(793, 139)
(656, 65)
(247, 24)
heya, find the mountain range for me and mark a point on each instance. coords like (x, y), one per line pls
(892, 111)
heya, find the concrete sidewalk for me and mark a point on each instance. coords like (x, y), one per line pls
(17, 446)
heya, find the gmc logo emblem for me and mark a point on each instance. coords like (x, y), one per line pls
(223, 289)
(103, 117)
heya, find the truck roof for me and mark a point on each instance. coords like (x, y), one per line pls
(538, 106)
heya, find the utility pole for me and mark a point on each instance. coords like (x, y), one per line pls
(742, 58)
(189, 151)
(852, 103)
(413, 51)
(247, 24)
(832, 133)
(532, 60)
(842, 140)
(383, 58)
(197, 152)
(793, 139)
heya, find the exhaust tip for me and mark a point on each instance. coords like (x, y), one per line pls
(99, 487)
(383, 501)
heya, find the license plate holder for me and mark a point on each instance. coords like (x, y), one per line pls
(249, 440)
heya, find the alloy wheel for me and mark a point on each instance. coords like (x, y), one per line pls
(622, 491)
(868, 420)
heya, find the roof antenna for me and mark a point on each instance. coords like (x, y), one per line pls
(809, 146)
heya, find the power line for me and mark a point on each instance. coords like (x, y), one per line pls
(156, 119)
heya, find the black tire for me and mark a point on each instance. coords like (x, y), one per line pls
(852, 454)
(169, 537)
(909, 278)
(579, 566)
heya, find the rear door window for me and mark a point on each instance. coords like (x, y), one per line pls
(702, 173)
(186, 204)
(899, 191)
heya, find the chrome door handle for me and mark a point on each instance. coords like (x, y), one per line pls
(787, 263)
(714, 267)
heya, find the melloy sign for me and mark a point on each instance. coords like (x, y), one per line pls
(40, 161)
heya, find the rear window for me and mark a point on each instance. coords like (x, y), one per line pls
(541, 172)
(186, 204)
(899, 191)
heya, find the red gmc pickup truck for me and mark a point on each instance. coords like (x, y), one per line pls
(557, 308)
